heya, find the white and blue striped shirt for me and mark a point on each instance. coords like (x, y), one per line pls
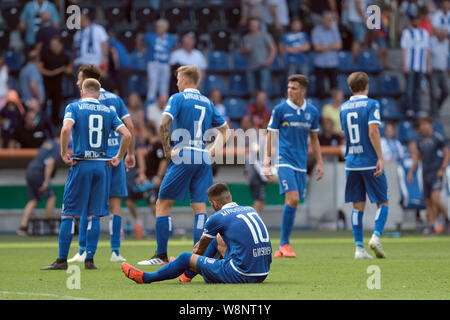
(416, 43)
(441, 20)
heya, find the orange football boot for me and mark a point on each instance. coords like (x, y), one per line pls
(132, 273)
(284, 251)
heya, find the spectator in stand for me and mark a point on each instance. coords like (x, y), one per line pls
(35, 129)
(30, 20)
(216, 98)
(4, 85)
(331, 110)
(439, 84)
(137, 114)
(277, 19)
(155, 110)
(382, 35)
(416, 58)
(187, 55)
(317, 7)
(138, 57)
(31, 81)
(329, 137)
(441, 19)
(407, 10)
(425, 20)
(357, 19)
(46, 32)
(258, 112)
(159, 47)
(11, 117)
(251, 9)
(261, 49)
(54, 63)
(390, 146)
(119, 64)
(327, 42)
(90, 44)
(296, 46)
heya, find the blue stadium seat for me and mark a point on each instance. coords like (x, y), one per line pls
(137, 84)
(312, 86)
(277, 64)
(176, 14)
(221, 39)
(342, 84)
(235, 108)
(346, 62)
(206, 15)
(406, 132)
(277, 101)
(218, 61)
(368, 61)
(389, 109)
(13, 60)
(238, 85)
(373, 86)
(4, 38)
(315, 102)
(240, 62)
(144, 13)
(214, 81)
(389, 85)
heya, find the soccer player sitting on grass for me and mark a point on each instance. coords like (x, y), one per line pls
(431, 148)
(248, 249)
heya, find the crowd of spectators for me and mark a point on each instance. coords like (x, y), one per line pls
(277, 37)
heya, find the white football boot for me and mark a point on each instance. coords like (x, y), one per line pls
(78, 258)
(376, 246)
(117, 258)
(361, 253)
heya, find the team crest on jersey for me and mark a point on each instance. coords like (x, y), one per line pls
(307, 116)
(376, 114)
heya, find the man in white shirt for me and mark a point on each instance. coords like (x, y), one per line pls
(155, 110)
(441, 19)
(90, 44)
(439, 85)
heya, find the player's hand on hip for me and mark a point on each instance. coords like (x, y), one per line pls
(114, 162)
(319, 172)
(130, 161)
(380, 167)
(68, 160)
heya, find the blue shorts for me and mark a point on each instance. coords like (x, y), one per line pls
(360, 183)
(181, 178)
(86, 189)
(358, 31)
(221, 271)
(292, 180)
(430, 185)
(34, 182)
(117, 180)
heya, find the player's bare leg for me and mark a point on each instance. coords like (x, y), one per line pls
(439, 208)
(27, 211)
(50, 207)
(292, 199)
(131, 205)
(258, 205)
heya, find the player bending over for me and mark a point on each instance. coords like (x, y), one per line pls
(248, 254)
(360, 119)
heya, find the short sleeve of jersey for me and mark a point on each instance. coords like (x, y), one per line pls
(274, 123)
(116, 122)
(122, 111)
(213, 226)
(69, 114)
(217, 119)
(173, 106)
(374, 112)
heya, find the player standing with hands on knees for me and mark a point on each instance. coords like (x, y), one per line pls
(293, 120)
(364, 163)
(86, 191)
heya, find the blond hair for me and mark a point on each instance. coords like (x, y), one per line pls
(91, 86)
(190, 72)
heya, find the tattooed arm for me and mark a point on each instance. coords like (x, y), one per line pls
(165, 132)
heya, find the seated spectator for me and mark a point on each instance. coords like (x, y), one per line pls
(30, 20)
(296, 45)
(154, 111)
(31, 81)
(45, 33)
(136, 111)
(327, 42)
(390, 146)
(216, 98)
(328, 137)
(261, 51)
(11, 117)
(4, 86)
(258, 111)
(331, 110)
(35, 129)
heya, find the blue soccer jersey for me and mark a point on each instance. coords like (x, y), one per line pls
(159, 48)
(356, 115)
(194, 114)
(249, 250)
(293, 124)
(93, 123)
(113, 101)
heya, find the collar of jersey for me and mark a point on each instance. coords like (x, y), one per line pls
(361, 96)
(230, 205)
(294, 106)
(90, 100)
(191, 90)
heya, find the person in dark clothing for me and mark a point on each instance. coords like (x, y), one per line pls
(11, 119)
(46, 32)
(54, 63)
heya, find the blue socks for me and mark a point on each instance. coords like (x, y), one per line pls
(210, 252)
(115, 225)
(199, 225)
(163, 228)
(92, 236)
(65, 237)
(82, 234)
(287, 224)
(170, 270)
(380, 220)
(357, 226)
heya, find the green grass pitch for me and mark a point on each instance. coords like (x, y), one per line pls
(416, 268)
